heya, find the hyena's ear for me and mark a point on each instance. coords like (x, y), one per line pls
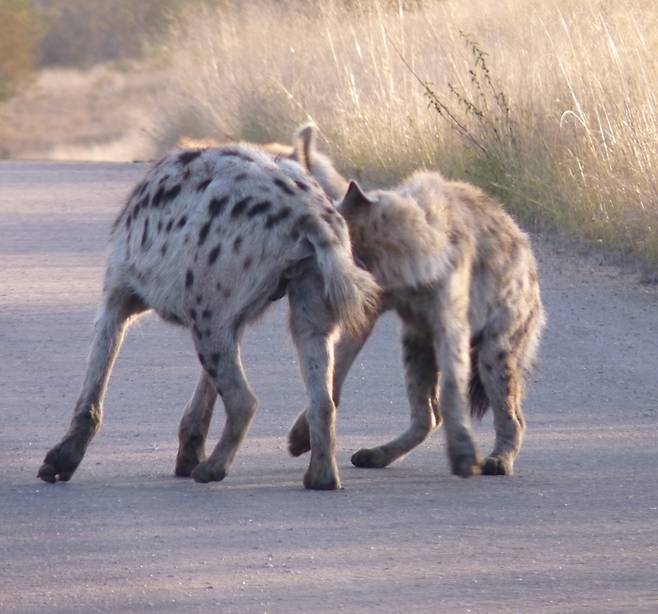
(355, 198)
(303, 144)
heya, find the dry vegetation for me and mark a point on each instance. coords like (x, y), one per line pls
(550, 105)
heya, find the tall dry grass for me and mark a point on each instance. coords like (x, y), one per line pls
(550, 105)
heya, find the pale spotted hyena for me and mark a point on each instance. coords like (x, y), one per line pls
(462, 277)
(208, 239)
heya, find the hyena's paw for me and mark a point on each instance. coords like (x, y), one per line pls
(299, 438)
(186, 461)
(495, 465)
(191, 452)
(324, 479)
(204, 473)
(464, 460)
(61, 462)
(369, 458)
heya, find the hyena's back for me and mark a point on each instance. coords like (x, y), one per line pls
(227, 223)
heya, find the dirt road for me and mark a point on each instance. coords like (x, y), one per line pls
(575, 530)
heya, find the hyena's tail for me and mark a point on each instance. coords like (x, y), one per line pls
(352, 292)
(477, 395)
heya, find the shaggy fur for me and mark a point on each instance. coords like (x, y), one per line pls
(462, 277)
(207, 240)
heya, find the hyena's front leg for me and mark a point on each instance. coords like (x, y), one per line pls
(421, 376)
(193, 428)
(452, 346)
(62, 461)
(220, 357)
(346, 351)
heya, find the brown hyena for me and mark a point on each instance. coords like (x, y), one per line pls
(462, 277)
(208, 239)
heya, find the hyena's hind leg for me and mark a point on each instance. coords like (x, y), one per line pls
(193, 428)
(118, 305)
(498, 371)
(220, 357)
(502, 362)
(313, 326)
(346, 351)
(421, 375)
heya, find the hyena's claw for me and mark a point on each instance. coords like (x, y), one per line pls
(369, 458)
(61, 462)
(204, 473)
(495, 465)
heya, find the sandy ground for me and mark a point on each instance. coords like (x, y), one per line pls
(575, 530)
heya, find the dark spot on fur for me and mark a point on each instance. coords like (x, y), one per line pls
(203, 233)
(189, 279)
(192, 313)
(202, 359)
(159, 226)
(198, 299)
(247, 263)
(145, 233)
(187, 174)
(237, 244)
(217, 205)
(163, 180)
(206, 314)
(197, 331)
(214, 253)
(203, 185)
(240, 177)
(214, 358)
(218, 287)
(169, 226)
(163, 250)
(226, 292)
(157, 198)
(301, 185)
(273, 220)
(258, 208)
(212, 372)
(240, 206)
(172, 192)
(182, 222)
(187, 156)
(282, 185)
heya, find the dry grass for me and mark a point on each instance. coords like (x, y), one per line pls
(571, 144)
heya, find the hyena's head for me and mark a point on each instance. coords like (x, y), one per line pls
(318, 165)
(391, 237)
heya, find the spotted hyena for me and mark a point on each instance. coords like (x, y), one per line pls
(462, 277)
(208, 239)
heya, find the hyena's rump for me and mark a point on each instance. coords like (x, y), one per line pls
(207, 240)
(462, 277)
